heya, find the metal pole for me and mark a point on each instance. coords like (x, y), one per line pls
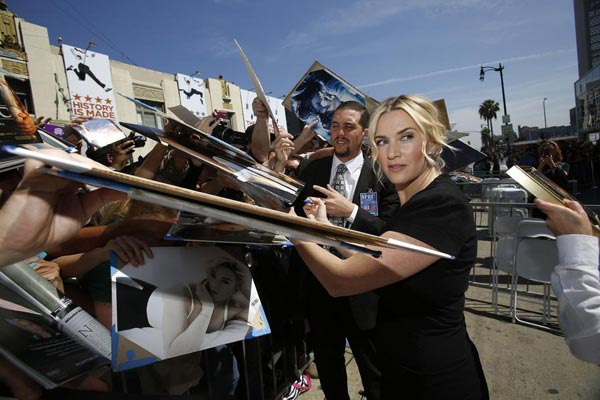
(544, 103)
(501, 68)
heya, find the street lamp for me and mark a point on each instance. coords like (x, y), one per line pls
(544, 104)
(499, 68)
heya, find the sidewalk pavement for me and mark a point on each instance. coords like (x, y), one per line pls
(520, 362)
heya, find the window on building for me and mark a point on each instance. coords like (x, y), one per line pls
(147, 117)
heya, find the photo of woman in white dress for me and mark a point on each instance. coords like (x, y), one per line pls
(171, 312)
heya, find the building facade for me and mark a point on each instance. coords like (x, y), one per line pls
(587, 87)
(36, 71)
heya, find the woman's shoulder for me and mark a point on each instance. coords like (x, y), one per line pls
(441, 202)
(442, 191)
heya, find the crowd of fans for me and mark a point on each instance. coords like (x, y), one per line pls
(74, 231)
(581, 159)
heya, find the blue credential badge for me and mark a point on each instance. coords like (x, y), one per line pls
(368, 202)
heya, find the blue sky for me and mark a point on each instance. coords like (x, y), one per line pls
(385, 47)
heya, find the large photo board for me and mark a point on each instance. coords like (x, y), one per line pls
(318, 94)
(183, 300)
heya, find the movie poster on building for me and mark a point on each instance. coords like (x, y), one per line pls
(247, 99)
(90, 83)
(275, 104)
(191, 94)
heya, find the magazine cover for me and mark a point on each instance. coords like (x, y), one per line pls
(71, 318)
(32, 341)
(183, 300)
(197, 228)
(318, 94)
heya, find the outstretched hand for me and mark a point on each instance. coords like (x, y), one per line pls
(46, 210)
(564, 220)
(259, 109)
(207, 124)
(337, 205)
(129, 249)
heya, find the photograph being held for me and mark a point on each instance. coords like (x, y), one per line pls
(187, 317)
(420, 323)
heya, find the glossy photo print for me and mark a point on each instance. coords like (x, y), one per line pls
(183, 300)
(317, 96)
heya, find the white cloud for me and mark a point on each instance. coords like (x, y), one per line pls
(294, 39)
(464, 68)
(349, 17)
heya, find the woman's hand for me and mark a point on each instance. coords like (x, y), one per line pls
(50, 271)
(546, 161)
(316, 210)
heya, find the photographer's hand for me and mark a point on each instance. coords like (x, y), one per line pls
(120, 154)
(207, 124)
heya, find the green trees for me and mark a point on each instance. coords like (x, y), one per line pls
(487, 111)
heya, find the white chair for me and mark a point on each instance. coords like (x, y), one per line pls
(503, 240)
(535, 256)
(487, 184)
(507, 194)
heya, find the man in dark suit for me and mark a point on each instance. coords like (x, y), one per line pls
(368, 201)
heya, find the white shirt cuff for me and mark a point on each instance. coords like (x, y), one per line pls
(350, 219)
(577, 250)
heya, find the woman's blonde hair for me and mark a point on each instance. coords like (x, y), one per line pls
(427, 119)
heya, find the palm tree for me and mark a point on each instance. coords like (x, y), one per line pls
(485, 139)
(488, 111)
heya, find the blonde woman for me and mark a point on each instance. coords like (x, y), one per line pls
(425, 350)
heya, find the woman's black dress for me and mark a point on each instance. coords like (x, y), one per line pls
(425, 351)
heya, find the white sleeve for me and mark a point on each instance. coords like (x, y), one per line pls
(352, 216)
(576, 282)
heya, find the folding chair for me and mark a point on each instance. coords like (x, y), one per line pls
(503, 240)
(535, 256)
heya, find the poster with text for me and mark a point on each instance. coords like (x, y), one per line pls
(191, 94)
(90, 83)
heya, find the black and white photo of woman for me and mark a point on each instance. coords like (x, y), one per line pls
(172, 313)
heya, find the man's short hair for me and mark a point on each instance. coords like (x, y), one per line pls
(356, 106)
